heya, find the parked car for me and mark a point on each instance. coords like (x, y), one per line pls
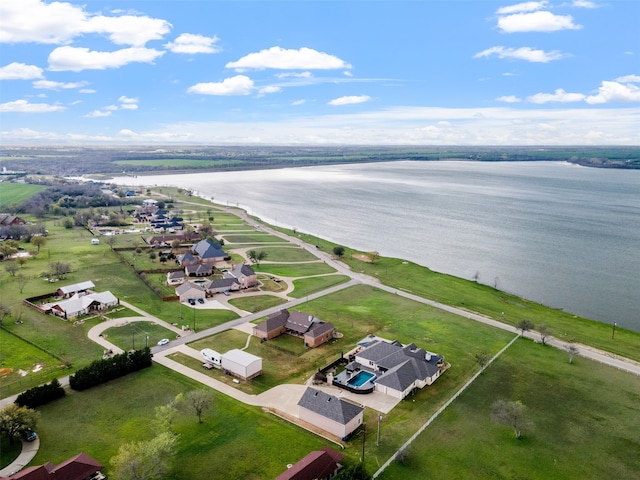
(29, 435)
(201, 301)
(226, 292)
(164, 341)
(191, 301)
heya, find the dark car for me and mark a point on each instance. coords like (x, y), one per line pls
(191, 301)
(29, 435)
(200, 300)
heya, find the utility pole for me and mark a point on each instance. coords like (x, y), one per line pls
(364, 437)
(613, 333)
(378, 439)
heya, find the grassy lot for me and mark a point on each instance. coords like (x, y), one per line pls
(134, 335)
(294, 269)
(586, 423)
(9, 451)
(12, 194)
(307, 286)
(288, 254)
(256, 303)
(254, 445)
(253, 238)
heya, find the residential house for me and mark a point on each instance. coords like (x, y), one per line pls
(190, 290)
(209, 251)
(311, 329)
(7, 220)
(175, 278)
(186, 259)
(245, 275)
(399, 369)
(241, 364)
(80, 467)
(198, 270)
(80, 304)
(332, 414)
(69, 290)
(222, 285)
(321, 464)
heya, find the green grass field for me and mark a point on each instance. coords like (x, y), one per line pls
(307, 286)
(12, 194)
(251, 238)
(288, 254)
(134, 335)
(294, 269)
(256, 303)
(586, 423)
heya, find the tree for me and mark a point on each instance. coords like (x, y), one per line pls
(15, 420)
(544, 332)
(5, 311)
(572, 350)
(483, 359)
(8, 248)
(59, 269)
(11, 268)
(256, 257)
(175, 244)
(150, 460)
(198, 401)
(205, 230)
(524, 325)
(338, 251)
(39, 241)
(511, 414)
(352, 472)
(22, 281)
(373, 257)
(165, 414)
(21, 261)
(68, 223)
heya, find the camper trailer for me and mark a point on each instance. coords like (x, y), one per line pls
(211, 356)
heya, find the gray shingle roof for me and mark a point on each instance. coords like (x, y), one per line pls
(328, 406)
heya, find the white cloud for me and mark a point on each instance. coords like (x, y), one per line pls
(51, 85)
(129, 106)
(128, 100)
(60, 22)
(558, 96)
(111, 108)
(192, 44)
(615, 92)
(522, 53)
(522, 7)
(20, 71)
(87, 90)
(22, 106)
(298, 102)
(98, 114)
(541, 21)
(629, 78)
(584, 4)
(283, 59)
(238, 85)
(508, 99)
(295, 75)
(269, 89)
(77, 59)
(350, 100)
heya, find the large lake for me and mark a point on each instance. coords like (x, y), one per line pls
(562, 235)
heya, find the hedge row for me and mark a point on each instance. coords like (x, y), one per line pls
(36, 396)
(102, 371)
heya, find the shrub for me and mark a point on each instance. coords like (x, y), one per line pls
(40, 395)
(101, 371)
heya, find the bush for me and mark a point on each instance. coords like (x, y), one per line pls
(101, 371)
(40, 395)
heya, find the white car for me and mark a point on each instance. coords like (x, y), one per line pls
(164, 341)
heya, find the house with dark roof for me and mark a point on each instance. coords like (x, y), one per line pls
(222, 285)
(190, 290)
(399, 369)
(175, 278)
(80, 467)
(321, 464)
(329, 413)
(209, 251)
(198, 270)
(311, 329)
(6, 220)
(245, 275)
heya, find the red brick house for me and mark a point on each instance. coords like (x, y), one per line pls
(80, 467)
(321, 465)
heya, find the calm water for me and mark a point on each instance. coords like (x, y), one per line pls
(559, 234)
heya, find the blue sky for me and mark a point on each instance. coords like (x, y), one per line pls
(320, 72)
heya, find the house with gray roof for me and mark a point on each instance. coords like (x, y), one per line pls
(245, 275)
(314, 331)
(399, 369)
(222, 285)
(190, 290)
(209, 251)
(332, 414)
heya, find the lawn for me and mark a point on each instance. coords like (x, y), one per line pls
(137, 334)
(586, 423)
(253, 238)
(288, 254)
(307, 286)
(253, 444)
(294, 269)
(9, 451)
(256, 303)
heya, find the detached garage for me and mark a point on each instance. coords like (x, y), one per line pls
(241, 364)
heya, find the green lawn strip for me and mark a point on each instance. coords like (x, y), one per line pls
(269, 283)
(586, 419)
(294, 269)
(253, 238)
(134, 335)
(233, 227)
(253, 444)
(13, 194)
(9, 451)
(288, 254)
(307, 286)
(256, 303)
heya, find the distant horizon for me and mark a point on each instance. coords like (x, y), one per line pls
(317, 73)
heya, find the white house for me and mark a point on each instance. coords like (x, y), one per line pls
(83, 304)
(331, 414)
(241, 364)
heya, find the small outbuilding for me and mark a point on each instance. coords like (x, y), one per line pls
(330, 413)
(241, 364)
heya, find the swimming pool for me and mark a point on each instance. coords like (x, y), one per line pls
(360, 379)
